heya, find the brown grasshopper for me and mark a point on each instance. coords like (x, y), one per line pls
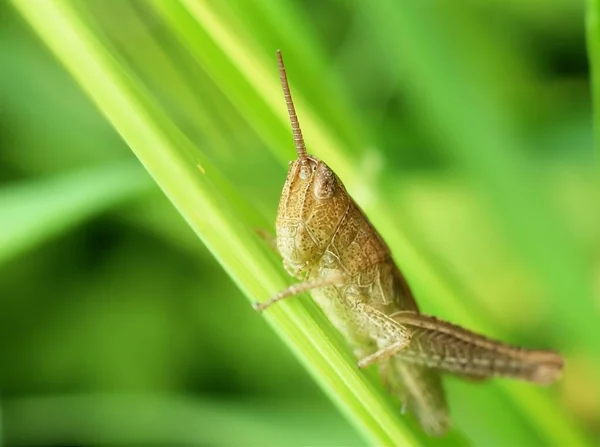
(328, 243)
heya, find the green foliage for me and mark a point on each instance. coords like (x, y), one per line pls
(39, 209)
(593, 46)
(493, 230)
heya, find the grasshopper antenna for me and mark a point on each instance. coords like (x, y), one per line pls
(298, 139)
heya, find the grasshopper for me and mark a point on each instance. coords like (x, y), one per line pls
(328, 243)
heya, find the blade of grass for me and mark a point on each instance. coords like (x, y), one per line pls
(219, 225)
(249, 88)
(181, 98)
(593, 47)
(214, 33)
(277, 25)
(35, 210)
(122, 419)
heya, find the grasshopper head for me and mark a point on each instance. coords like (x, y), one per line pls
(312, 203)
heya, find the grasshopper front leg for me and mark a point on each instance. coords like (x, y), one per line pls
(296, 289)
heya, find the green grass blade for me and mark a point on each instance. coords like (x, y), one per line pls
(35, 210)
(593, 47)
(129, 419)
(211, 39)
(209, 211)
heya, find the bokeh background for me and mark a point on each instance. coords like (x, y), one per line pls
(469, 126)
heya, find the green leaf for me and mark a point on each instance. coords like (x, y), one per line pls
(129, 419)
(593, 47)
(35, 210)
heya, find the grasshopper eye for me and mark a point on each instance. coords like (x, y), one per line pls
(324, 186)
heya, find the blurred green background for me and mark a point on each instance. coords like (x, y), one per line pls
(464, 128)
